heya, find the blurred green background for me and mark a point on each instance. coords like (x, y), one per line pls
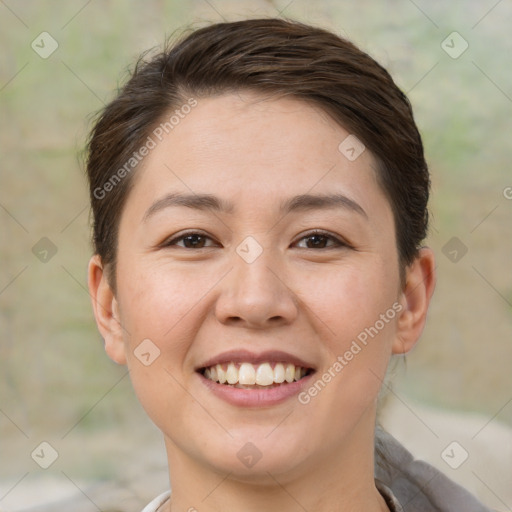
(57, 385)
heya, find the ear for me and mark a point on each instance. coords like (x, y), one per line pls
(106, 310)
(415, 299)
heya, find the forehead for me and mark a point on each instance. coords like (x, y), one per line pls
(252, 150)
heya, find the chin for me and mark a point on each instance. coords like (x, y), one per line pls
(251, 456)
(263, 472)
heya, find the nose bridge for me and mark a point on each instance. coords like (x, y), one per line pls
(254, 293)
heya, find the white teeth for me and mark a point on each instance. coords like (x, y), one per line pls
(232, 374)
(221, 374)
(264, 375)
(279, 373)
(289, 373)
(246, 374)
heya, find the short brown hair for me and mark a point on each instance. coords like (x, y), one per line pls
(273, 57)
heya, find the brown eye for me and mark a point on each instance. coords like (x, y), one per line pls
(191, 240)
(317, 241)
(320, 240)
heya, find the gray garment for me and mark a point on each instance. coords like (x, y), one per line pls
(415, 485)
(407, 485)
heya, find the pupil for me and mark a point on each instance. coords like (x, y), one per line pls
(318, 240)
(195, 241)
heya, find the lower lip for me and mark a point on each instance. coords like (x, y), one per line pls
(256, 397)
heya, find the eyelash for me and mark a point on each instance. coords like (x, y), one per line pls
(338, 243)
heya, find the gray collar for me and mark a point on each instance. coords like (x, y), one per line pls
(414, 484)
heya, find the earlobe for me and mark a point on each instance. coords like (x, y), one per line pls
(106, 310)
(415, 300)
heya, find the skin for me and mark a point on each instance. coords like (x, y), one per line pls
(194, 303)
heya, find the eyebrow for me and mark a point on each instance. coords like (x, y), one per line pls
(302, 202)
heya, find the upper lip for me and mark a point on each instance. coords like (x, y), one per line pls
(245, 356)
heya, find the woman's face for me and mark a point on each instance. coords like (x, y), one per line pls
(251, 236)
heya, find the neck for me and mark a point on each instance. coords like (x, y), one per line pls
(341, 479)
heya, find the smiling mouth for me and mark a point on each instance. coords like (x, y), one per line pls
(260, 376)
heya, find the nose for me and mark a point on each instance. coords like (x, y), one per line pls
(255, 295)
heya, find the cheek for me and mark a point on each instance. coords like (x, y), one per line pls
(159, 299)
(353, 310)
(358, 309)
(350, 299)
(159, 308)
(348, 307)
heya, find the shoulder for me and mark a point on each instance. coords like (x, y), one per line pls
(157, 502)
(416, 484)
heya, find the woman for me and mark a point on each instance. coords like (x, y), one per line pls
(259, 194)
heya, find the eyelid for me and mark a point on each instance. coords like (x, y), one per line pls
(339, 241)
(173, 239)
(177, 237)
